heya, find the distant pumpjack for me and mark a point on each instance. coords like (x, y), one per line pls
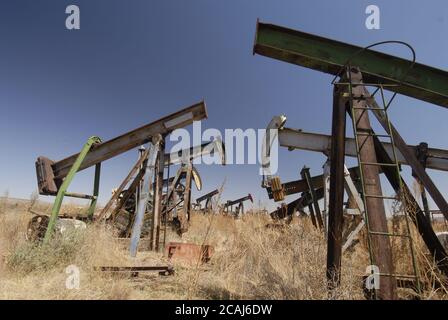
(208, 201)
(239, 210)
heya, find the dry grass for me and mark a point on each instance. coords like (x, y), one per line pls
(250, 262)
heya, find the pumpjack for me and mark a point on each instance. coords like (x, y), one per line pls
(239, 209)
(356, 71)
(144, 181)
(208, 201)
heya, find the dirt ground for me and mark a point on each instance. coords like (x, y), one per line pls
(250, 261)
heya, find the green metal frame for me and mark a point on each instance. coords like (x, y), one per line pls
(68, 179)
(330, 56)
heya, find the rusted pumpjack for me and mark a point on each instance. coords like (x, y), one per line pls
(176, 203)
(54, 177)
(358, 68)
(208, 201)
(239, 209)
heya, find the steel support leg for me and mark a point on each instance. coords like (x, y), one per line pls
(311, 210)
(63, 189)
(414, 211)
(305, 173)
(381, 250)
(96, 189)
(326, 186)
(187, 197)
(336, 198)
(158, 197)
(144, 197)
(411, 158)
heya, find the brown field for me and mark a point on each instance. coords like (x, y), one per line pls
(250, 262)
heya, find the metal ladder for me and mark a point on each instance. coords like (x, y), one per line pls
(399, 197)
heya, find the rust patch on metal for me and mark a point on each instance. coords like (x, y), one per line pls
(189, 252)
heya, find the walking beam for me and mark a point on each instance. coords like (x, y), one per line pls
(207, 196)
(415, 80)
(50, 174)
(297, 139)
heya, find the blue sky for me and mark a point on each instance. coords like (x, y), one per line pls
(135, 61)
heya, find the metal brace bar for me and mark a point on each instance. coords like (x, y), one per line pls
(411, 158)
(144, 196)
(68, 179)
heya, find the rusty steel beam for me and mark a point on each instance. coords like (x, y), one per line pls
(297, 186)
(120, 144)
(134, 186)
(410, 156)
(326, 55)
(336, 203)
(134, 138)
(183, 173)
(377, 221)
(123, 184)
(162, 270)
(187, 193)
(314, 207)
(422, 155)
(414, 211)
(207, 196)
(296, 205)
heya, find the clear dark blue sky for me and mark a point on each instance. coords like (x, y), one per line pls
(135, 61)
